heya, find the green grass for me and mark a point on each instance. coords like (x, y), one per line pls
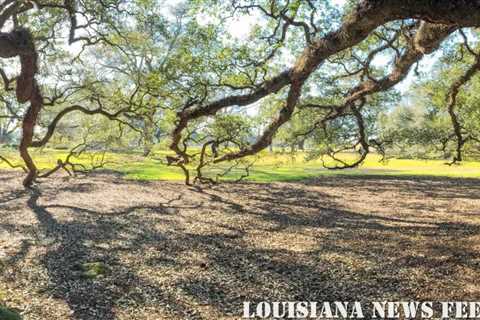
(268, 168)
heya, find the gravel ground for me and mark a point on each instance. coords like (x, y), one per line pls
(172, 252)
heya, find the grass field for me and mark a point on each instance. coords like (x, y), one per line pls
(268, 167)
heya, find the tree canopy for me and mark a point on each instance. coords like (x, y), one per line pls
(95, 75)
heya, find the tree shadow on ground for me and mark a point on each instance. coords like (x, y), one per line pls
(95, 298)
(200, 253)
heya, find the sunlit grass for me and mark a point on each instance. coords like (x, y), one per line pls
(267, 168)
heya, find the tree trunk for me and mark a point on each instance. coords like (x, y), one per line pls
(301, 145)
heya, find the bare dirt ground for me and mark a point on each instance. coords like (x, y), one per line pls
(174, 252)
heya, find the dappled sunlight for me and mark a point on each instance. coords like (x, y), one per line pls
(200, 252)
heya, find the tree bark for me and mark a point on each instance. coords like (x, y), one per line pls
(20, 43)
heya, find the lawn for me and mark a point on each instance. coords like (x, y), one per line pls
(268, 167)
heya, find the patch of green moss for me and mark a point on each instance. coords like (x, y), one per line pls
(9, 314)
(93, 270)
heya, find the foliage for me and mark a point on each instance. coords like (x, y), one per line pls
(94, 77)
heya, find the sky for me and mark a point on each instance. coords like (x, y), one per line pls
(339, 2)
(241, 27)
